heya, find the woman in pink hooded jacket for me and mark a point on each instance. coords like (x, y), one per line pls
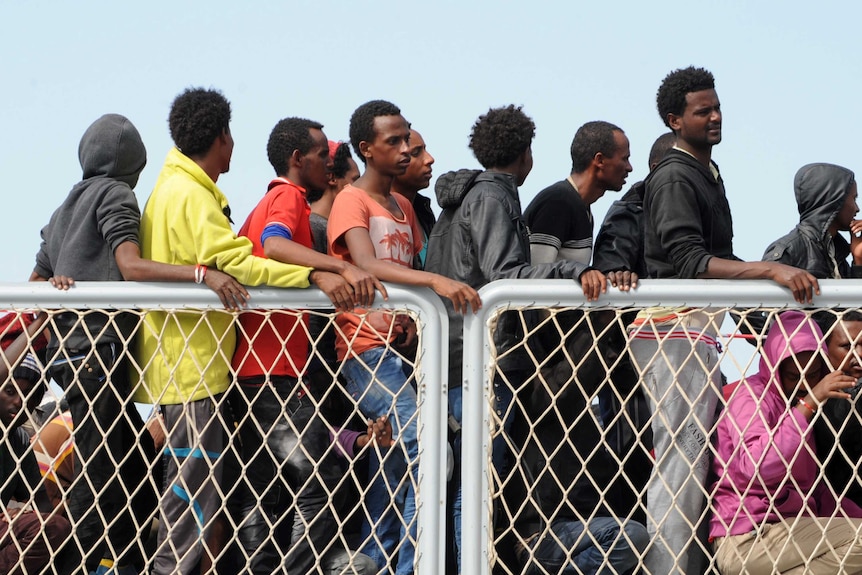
(771, 513)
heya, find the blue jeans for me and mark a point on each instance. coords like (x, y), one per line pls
(377, 383)
(567, 550)
(502, 401)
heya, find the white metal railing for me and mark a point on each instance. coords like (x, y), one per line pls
(433, 366)
(477, 556)
(432, 363)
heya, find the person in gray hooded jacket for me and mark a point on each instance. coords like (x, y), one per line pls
(481, 237)
(826, 198)
(93, 236)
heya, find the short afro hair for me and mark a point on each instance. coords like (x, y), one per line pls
(670, 98)
(341, 160)
(827, 320)
(661, 147)
(590, 139)
(288, 135)
(362, 122)
(197, 118)
(501, 135)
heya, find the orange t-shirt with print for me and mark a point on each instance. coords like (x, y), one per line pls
(395, 240)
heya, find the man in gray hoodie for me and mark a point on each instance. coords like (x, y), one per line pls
(93, 236)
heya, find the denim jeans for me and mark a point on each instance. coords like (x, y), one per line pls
(503, 396)
(567, 550)
(283, 438)
(377, 383)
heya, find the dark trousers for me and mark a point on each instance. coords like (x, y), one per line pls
(111, 494)
(283, 438)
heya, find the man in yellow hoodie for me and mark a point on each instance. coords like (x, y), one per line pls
(185, 356)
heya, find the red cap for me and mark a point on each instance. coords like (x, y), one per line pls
(332, 147)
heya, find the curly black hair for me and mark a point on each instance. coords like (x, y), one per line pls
(362, 122)
(340, 165)
(590, 139)
(341, 160)
(501, 135)
(198, 116)
(288, 135)
(670, 98)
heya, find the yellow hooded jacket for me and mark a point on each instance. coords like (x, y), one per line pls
(186, 356)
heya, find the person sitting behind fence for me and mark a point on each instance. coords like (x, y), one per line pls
(771, 512)
(838, 430)
(29, 539)
(54, 447)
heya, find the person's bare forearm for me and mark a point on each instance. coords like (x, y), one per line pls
(290, 252)
(719, 268)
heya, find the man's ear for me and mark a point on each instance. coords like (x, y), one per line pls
(674, 122)
(364, 149)
(598, 160)
(295, 158)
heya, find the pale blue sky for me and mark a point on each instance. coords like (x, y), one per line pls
(788, 75)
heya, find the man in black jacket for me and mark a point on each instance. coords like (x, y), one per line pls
(481, 237)
(620, 242)
(689, 234)
(826, 198)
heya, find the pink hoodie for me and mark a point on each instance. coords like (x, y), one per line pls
(765, 458)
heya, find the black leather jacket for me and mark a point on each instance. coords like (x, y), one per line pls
(481, 237)
(820, 190)
(620, 242)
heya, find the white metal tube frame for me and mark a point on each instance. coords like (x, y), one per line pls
(431, 388)
(505, 294)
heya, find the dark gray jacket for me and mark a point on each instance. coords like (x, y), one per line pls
(820, 190)
(481, 237)
(620, 242)
(100, 213)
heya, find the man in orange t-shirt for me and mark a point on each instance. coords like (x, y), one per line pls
(377, 231)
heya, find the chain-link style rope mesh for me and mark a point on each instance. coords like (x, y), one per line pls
(247, 475)
(586, 407)
(604, 458)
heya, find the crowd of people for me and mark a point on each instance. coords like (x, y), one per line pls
(243, 465)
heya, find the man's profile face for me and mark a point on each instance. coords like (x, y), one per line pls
(350, 176)
(418, 173)
(617, 167)
(227, 150)
(316, 165)
(526, 166)
(845, 348)
(390, 150)
(700, 123)
(849, 209)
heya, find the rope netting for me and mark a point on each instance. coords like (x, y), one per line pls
(282, 461)
(679, 442)
(625, 441)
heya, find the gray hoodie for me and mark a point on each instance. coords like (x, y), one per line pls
(100, 213)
